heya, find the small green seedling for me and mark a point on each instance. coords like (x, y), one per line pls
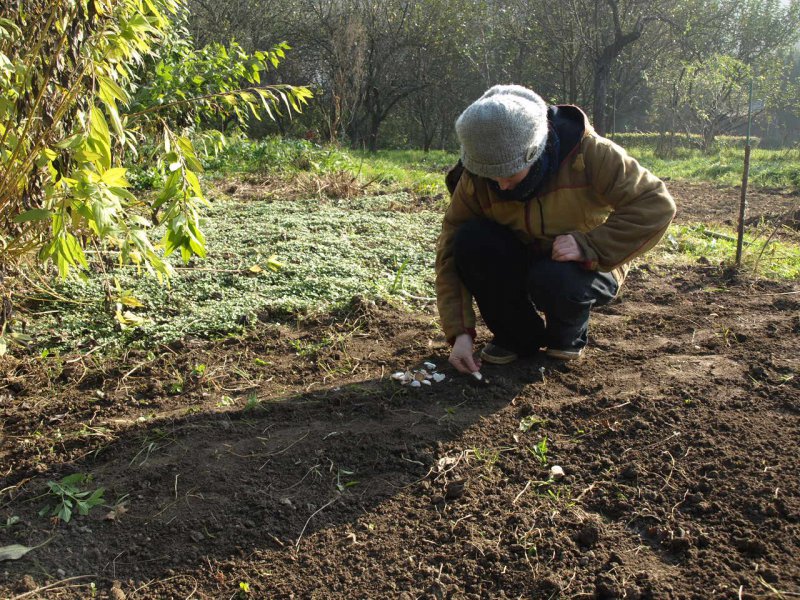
(342, 485)
(252, 403)
(70, 496)
(540, 451)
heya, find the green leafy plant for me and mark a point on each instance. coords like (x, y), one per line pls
(70, 495)
(82, 87)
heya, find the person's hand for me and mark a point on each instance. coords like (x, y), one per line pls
(461, 355)
(565, 249)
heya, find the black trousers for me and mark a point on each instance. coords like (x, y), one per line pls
(512, 287)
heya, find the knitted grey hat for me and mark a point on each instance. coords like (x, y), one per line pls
(502, 132)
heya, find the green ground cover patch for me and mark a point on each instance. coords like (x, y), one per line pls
(330, 251)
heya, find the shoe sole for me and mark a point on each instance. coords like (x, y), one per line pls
(564, 354)
(498, 360)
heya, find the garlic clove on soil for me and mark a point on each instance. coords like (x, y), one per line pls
(556, 472)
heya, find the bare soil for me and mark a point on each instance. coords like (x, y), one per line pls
(678, 434)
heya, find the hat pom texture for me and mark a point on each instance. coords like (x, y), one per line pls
(502, 132)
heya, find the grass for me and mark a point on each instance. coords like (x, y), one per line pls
(422, 174)
(413, 171)
(418, 172)
(773, 169)
(761, 255)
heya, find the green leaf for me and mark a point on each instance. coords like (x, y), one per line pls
(124, 195)
(100, 138)
(194, 183)
(65, 514)
(46, 156)
(71, 142)
(71, 251)
(35, 214)
(111, 90)
(115, 177)
(13, 552)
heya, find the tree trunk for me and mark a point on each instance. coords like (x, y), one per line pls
(374, 126)
(601, 77)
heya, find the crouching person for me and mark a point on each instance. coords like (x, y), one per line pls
(544, 218)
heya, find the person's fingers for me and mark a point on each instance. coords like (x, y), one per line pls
(465, 363)
(469, 362)
(566, 256)
(458, 362)
(565, 249)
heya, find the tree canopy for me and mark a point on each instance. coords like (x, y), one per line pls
(399, 71)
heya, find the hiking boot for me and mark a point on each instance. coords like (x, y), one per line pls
(568, 354)
(494, 354)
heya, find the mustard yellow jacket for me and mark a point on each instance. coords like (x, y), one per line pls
(615, 209)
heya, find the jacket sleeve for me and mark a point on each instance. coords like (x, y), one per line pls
(452, 299)
(642, 208)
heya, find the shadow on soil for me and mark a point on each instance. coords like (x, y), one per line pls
(213, 487)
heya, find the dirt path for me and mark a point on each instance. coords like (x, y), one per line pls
(318, 476)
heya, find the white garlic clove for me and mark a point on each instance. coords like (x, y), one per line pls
(438, 377)
(556, 472)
